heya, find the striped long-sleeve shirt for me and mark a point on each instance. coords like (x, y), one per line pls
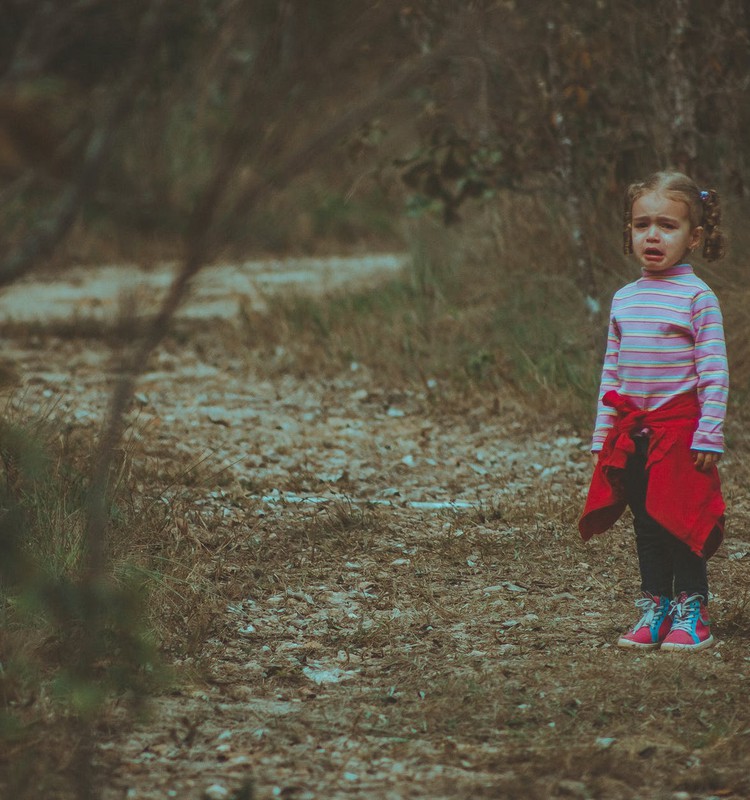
(666, 337)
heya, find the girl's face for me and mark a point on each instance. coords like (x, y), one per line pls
(662, 231)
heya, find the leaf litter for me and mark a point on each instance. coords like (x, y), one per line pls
(399, 602)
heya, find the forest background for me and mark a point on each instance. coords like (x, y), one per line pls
(490, 140)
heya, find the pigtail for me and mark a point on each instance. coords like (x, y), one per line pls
(714, 241)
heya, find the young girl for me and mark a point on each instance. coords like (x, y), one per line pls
(658, 433)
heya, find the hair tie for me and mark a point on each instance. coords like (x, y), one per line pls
(704, 195)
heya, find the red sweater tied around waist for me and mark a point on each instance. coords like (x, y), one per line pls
(681, 498)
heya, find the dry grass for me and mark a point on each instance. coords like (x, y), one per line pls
(480, 643)
(482, 665)
(473, 649)
(480, 653)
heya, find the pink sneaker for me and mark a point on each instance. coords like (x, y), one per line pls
(691, 626)
(652, 627)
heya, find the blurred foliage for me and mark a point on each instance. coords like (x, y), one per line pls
(70, 640)
(484, 120)
(490, 120)
(450, 170)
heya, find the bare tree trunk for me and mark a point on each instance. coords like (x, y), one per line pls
(683, 145)
(734, 24)
(566, 171)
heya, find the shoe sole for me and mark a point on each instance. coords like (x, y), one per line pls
(631, 645)
(675, 647)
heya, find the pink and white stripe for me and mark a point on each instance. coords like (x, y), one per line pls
(666, 337)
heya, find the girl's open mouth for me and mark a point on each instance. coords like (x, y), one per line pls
(652, 252)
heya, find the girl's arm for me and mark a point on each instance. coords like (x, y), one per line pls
(713, 374)
(605, 416)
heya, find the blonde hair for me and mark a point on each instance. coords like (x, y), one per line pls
(704, 209)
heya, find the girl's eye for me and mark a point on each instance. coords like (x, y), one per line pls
(640, 225)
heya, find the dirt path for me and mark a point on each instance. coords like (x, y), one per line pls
(85, 293)
(409, 611)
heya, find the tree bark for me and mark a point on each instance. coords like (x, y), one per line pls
(683, 144)
(566, 170)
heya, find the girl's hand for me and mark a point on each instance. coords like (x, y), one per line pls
(595, 459)
(704, 459)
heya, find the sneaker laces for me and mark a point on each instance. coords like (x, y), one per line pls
(649, 607)
(685, 610)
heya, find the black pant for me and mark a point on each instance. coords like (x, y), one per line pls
(668, 566)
